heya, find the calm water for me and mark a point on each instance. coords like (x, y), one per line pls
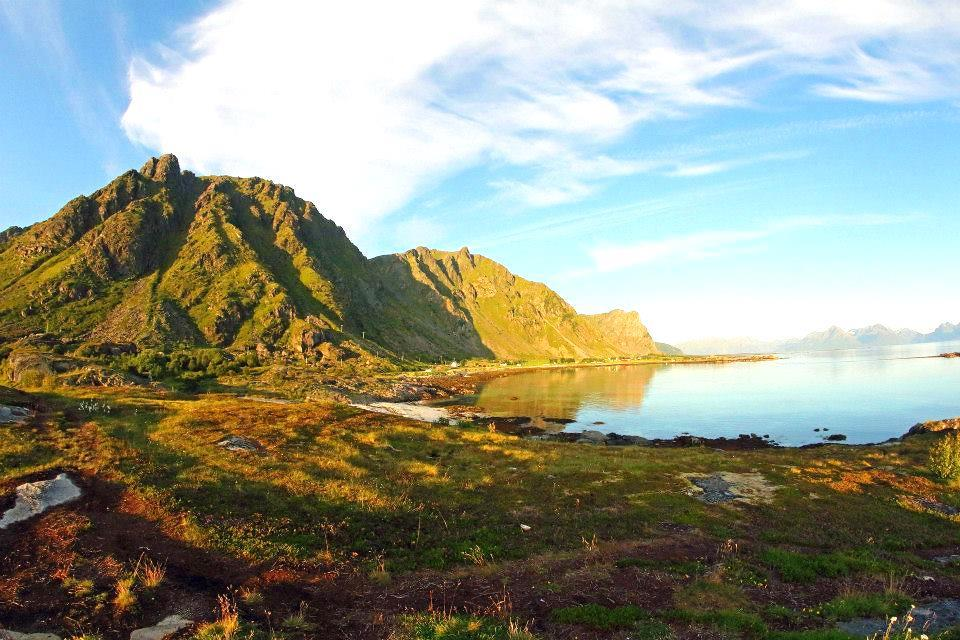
(869, 395)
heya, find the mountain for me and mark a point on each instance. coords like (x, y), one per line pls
(880, 335)
(668, 349)
(722, 346)
(828, 339)
(946, 331)
(162, 257)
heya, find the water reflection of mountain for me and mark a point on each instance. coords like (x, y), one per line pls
(560, 393)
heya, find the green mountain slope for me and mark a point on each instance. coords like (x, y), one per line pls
(162, 257)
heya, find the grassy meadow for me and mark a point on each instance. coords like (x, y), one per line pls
(344, 523)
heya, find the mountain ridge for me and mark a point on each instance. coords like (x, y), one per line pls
(161, 257)
(831, 338)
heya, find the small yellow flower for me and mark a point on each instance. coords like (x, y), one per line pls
(893, 619)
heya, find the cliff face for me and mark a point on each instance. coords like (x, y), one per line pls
(489, 311)
(624, 331)
(161, 256)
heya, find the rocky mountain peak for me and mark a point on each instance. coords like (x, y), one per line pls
(165, 169)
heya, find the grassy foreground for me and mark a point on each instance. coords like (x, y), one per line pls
(347, 524)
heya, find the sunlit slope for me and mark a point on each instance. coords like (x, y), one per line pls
(162, 257)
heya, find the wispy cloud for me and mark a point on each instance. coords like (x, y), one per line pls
(364, 105)
(38, 26)
(710, 244)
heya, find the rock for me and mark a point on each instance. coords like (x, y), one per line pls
(164, 169)
(33, 498)
(592, 437)
(933, 426)
(726, 486)
(954, 354)
(836, 437)
(239, 443)
(933, 505)
(14, 414)
(162, 630)
(408, 410)
(14, 635)
(952, 559)
(617, 440)
(929, 619)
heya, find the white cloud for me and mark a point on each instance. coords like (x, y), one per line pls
(362, 105)
(710, 244)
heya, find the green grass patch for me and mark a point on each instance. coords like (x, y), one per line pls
(803, 567)
(810, 634)
(597, 616)
(680, 567)
(865, 605)
(748, 624)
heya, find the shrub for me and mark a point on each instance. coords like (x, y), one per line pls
(945, 457)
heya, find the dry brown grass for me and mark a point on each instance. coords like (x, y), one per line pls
(125, 597)
(151, 573)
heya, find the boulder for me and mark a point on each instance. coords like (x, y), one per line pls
(33, 498)
(592, 437)
(163, 629)
(10, 414)
(14, 635)
(239, 443)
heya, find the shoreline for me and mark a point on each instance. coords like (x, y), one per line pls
(547, 429)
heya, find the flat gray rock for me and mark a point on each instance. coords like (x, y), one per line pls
(33, 498)
(239, 443)
(13, 635)
(162, 630)
(930, 619)
(591, 436)
(10, 414)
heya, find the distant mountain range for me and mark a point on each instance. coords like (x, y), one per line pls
(161, 257)
(826, 340)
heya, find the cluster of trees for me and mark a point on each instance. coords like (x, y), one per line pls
(189, 365)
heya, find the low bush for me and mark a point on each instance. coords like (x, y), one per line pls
(944, 459)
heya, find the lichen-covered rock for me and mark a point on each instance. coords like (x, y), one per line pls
(14, 635)
(239, 443)
(33, 498)
(725, 486)
(163, 629)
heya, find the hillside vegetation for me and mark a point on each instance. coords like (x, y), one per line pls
(163, 258)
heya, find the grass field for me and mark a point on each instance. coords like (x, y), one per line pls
(350, 524)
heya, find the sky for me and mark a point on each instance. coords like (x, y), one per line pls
(726, 168)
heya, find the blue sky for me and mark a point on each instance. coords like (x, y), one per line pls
(759, 168)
